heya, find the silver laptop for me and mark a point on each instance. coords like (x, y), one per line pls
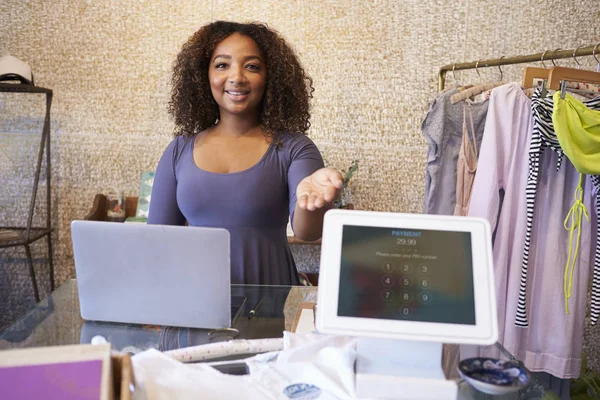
(153, 274)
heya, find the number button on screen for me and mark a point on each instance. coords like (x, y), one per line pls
(387, 295)
(387, 280)
(406, 296)
(387, 267)
(425, 297)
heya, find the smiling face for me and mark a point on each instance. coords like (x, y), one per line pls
(237, 75)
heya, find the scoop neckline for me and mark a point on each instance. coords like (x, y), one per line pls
(256, 165)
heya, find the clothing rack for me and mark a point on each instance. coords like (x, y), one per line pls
(537, 57)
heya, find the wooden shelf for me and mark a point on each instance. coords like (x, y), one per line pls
(22, 88)
(28, 234)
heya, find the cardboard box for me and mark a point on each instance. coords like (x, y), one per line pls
(122, 377)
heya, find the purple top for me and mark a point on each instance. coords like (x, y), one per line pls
(253, 205)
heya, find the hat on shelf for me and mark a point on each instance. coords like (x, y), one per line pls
(13, 69)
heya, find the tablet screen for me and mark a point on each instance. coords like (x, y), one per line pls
(406, 274)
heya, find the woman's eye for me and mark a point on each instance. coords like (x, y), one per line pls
(253, 67)
(220, 65)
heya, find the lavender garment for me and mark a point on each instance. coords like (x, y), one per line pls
(553, 341)
(253, 205)
(443, 128)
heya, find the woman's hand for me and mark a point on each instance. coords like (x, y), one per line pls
(321, 188)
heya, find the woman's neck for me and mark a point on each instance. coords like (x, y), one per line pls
(235, 126)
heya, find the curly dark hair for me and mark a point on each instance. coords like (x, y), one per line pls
(288, 90)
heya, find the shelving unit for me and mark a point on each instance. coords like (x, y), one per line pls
(15, 236)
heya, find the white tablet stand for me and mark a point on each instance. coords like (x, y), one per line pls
(401, 369)
(400, 358)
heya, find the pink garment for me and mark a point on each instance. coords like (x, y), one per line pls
(553, 341)
(466, 167)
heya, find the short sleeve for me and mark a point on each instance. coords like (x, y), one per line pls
(164, 209)
(432, 129)
(305, 159)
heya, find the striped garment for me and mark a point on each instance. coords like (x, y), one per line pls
(543, 137)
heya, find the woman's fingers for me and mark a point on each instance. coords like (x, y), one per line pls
(302, 200)
(311, 201)
(319, 189)
(330, 193)
(336, 179)
(319, 201)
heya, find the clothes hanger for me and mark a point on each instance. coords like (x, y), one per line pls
(456, 84)
(476, 89)
(578, 90)
(560, 75)
(596, 58)
(459, 87)
(530, 74)
(473, 91)
(575, 58)
(544, 84)
(500, 69)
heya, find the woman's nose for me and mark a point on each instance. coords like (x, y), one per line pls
(237, 75)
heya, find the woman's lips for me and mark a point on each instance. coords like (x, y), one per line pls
(237, 95)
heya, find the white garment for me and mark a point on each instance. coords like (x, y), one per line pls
(324, 361)
(158, 376)
(318, 362)
(308, 361)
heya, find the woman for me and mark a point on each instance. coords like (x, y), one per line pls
(241, 159)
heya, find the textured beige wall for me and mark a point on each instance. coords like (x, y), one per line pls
(374, 64)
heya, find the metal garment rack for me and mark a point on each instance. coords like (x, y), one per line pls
(537, 57)
(29, 234)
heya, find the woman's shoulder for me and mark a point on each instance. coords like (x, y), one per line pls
(179, 142)
(177, 146)
(297, 145)
(294, 141)
(182, 140)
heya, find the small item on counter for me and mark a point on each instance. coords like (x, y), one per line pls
(493, 376)
(136, 220)
(115, 206)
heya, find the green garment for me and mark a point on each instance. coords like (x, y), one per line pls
(578, 131)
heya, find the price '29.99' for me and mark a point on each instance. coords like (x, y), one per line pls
(406, 242)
